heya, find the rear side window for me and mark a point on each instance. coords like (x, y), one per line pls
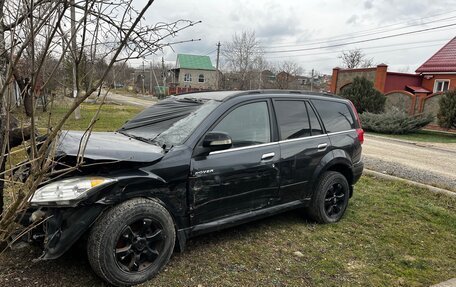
(336, 116)
(314, 123)
(292, 118)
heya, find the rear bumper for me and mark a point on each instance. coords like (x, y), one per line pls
(357, 170)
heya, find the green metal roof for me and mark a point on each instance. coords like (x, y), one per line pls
(194, 62)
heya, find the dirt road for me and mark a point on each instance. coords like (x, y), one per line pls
(139, 101)
(422, 162)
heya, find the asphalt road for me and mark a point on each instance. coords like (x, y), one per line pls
(433, 164)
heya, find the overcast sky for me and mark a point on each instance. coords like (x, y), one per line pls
(314, 25)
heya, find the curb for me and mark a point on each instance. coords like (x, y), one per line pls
(410, 182)
(449, 283)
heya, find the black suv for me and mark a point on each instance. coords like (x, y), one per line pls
(196, 163)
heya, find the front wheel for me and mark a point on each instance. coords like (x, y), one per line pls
(330, 199)
(132, 242)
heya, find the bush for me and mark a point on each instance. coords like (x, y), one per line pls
(394, 122)
(447, 113)
(364, 96)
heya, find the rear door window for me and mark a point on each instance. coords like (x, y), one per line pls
(315, 126)
(292, 119)
(335, 115)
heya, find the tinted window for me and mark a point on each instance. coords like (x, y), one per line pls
(336, 116)
(292, 119)
(315, 126)
(247, 125)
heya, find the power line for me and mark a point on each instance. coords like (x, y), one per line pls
(373, 53)
(211, 52)
(440, 41)
(364, 35)
(362, 41)
(369, 30)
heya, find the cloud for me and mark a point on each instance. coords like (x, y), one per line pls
(300, 25)
(352, 20)
(368, 4)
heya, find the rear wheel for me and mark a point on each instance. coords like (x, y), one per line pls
(330, 199)
(132, 242)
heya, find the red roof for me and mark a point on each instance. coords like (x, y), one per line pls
(442, 61)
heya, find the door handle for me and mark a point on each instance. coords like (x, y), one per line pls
(322, 146)
(267, 156)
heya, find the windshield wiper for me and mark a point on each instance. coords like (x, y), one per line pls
(136, 137)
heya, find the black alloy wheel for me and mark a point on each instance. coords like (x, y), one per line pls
(139, 245)
(330, 198)
(131, 242)
(335, 200)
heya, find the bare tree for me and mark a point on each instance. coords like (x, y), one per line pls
(355, 59)
(287, 73)
(243, 54)
(109, 31)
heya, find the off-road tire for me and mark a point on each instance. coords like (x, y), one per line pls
(104, 236)
(317, 210)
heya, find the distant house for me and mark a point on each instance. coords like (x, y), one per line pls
(415, 93)
(196, 72)
(439, 72)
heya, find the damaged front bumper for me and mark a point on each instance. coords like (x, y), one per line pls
(61, 227)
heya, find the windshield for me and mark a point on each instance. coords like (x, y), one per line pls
(169, 122)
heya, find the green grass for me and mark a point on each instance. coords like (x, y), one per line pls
(424, 136)
(392, 235)
(111, 117)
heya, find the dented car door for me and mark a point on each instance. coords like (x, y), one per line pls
(243, 177)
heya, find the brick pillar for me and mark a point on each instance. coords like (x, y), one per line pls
(380, 77)
(334, 78)
(419, 103)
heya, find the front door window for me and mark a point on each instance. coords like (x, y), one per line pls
(247, 125)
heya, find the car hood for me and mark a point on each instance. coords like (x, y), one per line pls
(108, 146)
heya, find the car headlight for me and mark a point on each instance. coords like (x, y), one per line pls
(63, 192)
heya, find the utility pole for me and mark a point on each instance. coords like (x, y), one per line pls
(312, 81)
(150, 78)
(260, 80)
(217, 67)
(77, 111)
(163, 72)
(143, 79)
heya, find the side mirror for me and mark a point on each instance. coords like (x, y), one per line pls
(217, 141)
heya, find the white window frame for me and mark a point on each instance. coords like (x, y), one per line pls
(443, 84)
(187, 77)
(199, 78)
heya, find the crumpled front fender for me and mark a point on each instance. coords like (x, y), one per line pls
(65, 226)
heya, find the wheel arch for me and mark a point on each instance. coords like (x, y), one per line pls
(338, 164)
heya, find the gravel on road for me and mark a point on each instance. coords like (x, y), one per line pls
(429, 164)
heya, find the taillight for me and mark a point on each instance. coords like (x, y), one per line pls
(360, 135)
(359, 130)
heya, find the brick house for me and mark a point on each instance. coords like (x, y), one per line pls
(194, 72)
(439, 72)
(415, 93)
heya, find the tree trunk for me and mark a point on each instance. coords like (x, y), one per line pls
(2, 183)
(3, 61)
